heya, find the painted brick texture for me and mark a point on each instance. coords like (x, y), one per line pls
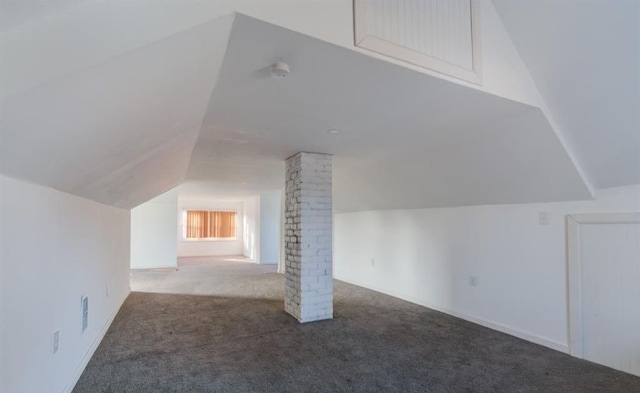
(308, 237)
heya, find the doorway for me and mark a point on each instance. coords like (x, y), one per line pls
(604, 289)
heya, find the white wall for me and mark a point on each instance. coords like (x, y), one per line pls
(269, 228)
(428, 256)
(193, 248)
(154, 230)
(55, 248)
(251, 234)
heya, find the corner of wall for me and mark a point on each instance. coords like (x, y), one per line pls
(2, 275)
(154, 234)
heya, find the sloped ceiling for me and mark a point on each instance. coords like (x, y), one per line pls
(16, 12)
(130, 128)
(408, 140)
(584, 56)
(121, 132)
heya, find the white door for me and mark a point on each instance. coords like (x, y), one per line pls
(610, 294)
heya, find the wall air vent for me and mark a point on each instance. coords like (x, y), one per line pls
(440, 35)
(84, 304)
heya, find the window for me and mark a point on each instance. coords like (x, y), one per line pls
(204, 224)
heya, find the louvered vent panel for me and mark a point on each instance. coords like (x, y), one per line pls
(441, 35)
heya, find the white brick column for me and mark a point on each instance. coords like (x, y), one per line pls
(308, 226)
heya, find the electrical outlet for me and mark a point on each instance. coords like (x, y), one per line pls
(373, 261)
(56, 341)
(473, 281)
(543, 218)
(107, 290)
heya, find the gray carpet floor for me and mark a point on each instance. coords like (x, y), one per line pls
(222, 328)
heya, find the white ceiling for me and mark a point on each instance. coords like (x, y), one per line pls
(584, 56)
(121, 132)
(194, 106)
(514, 159)
(15, 12)
(409, 140)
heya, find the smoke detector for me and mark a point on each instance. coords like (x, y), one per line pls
(280, 70)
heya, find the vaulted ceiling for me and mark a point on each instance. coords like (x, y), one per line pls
(198, 105)
(17, 12)
(120, 132)
(584, 56)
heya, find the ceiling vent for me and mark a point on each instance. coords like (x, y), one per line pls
(443, 36)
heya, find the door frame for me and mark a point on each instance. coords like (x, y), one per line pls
(574, 283)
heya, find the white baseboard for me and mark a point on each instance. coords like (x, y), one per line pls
(92, 349)
(536, 339)
(154, 267)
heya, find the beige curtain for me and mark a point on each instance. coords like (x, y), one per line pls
(210, 224)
